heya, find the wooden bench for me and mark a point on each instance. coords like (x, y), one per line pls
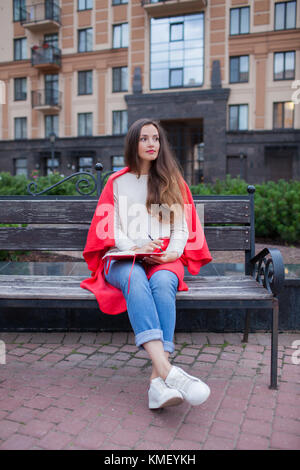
(60, 223)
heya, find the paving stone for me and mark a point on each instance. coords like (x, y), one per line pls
(89, 391)
(252, 442)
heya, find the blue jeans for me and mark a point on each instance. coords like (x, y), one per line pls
(151, 304)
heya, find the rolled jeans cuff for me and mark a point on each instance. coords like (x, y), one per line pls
(148, 335)
(169, 346)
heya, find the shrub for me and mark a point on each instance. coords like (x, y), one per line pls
(277, 205)
(17, 185)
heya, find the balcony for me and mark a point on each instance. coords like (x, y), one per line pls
(172, 7)
(46, 100)
(42, 17)
(46, 58)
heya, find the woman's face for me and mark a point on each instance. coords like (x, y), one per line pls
(148, 146)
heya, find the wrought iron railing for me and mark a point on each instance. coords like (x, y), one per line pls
(48, 10)
(47, 97)
(45, 54)
(153, 2)
(83, 185)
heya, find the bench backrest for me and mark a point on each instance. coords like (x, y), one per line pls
(60, 223)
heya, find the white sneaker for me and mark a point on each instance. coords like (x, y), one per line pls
(192, 389)
(161, 396)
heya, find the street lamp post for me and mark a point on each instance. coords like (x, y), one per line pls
(52, 138)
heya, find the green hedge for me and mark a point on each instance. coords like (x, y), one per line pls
(17, 185)
(277, 204)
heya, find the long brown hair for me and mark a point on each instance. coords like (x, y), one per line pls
(165, 181)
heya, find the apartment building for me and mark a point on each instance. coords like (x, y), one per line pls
(220, 75)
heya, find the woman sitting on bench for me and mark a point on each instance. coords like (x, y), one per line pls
(152, 212)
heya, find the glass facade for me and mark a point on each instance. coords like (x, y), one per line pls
(177, 51)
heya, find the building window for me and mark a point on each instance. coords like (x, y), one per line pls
(117, 162)
(85, 82)
(21, 128)
(283, 115)
(51, 124)
(239, 20)
(20, 49)
(238, 117)
(177, 51)
(120, 79)
(51, 89)
(119, 2)
(20, 165)
(51, 165)
(239, 69)
(120, 35)
(119, 122)
(51, 39)
(176, 31)
(20, 89)
(19, 7)
(85, 4)
(85, 124)
(284, 65)
(85, 164)
(285, 15)
(176, 78)
(85, 40)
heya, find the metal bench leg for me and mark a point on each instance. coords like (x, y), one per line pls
(247, 327)
(274, 344)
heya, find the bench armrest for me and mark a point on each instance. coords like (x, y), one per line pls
(269, 269)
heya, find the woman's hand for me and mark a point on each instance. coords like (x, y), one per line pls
(167, 257)
(149, 247)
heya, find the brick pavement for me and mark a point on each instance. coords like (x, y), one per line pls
(89, 391)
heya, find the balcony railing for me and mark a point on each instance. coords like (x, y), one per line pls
(152, 2)
(46, 100)
(43, 16)
(46, 57)
(155, 7)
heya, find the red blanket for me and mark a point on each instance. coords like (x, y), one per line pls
(101, 237)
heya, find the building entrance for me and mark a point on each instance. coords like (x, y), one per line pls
(186, 139)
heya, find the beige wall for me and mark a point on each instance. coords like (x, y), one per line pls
(259, 93)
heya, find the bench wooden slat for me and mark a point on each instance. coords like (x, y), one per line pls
(43, 211)
(57, 238)
(68, 287)
(223, 212)
(73, 280)
(39, 211)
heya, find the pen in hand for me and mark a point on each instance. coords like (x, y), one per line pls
(153, 240)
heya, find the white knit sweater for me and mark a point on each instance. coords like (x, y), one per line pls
(133, 223)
